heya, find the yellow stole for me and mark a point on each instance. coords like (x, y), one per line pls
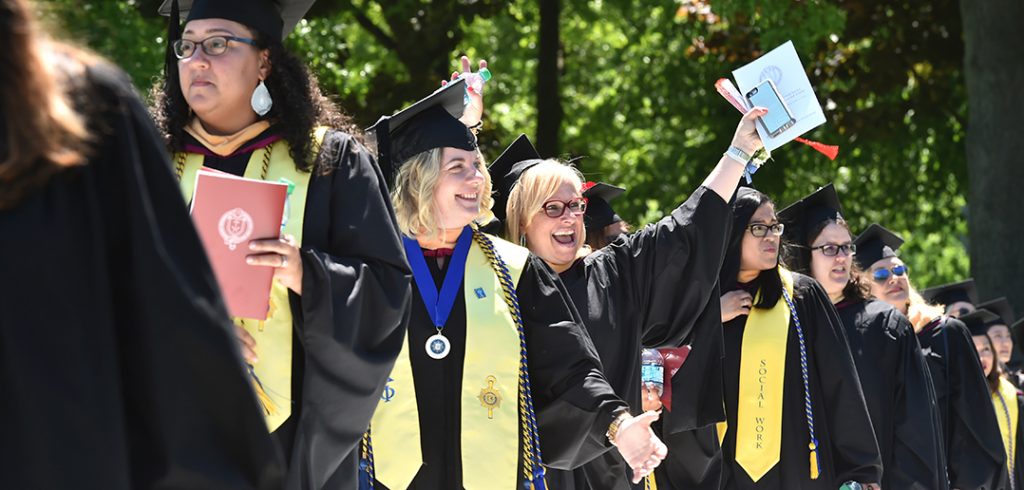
(1005, 401)
(273, 334)
(762, 378)
(490, 380)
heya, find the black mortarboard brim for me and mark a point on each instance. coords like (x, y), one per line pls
(1002, 308)
(804, 215)
(272, 18)
(1018, 330)
(978, 321)
(432, 122)
(505, 171)
(599, 212)
(876, 243)
(948, 294)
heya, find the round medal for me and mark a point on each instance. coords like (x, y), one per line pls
(438, 346)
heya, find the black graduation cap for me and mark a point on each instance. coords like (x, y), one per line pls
(505, 171)
(1018, 330)
(948, 294)
(803, 215)
(432, 122)
(978, 321)
(272, 18)
(1002, 308)
(599, 213)
(874, 244)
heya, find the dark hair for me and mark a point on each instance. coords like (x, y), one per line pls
(798, 256)
(768, 283)
(299, 105)
(992, 378)
(597, 239)
(41, 129)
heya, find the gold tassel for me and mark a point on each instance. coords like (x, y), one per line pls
(269, 408)
(814, 461)
(270, 313)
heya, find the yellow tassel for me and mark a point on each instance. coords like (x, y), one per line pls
(814, 461)
(270, 313)
(652, 484)
(269, 408)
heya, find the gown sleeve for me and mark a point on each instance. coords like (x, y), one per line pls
(854, 448)
(916, 443)
(977, 458)
(671, 266)
(356, 290)
(574, 402)
(192, 414)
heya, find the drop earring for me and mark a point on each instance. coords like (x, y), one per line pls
(261, 101)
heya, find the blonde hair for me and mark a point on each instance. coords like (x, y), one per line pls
(919, 311)
(413, 194)
(536, 186)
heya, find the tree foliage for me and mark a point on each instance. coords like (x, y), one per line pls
(635, 83)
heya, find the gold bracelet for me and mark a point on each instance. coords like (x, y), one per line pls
(613, 428)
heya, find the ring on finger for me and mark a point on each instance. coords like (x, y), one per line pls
(284, 260)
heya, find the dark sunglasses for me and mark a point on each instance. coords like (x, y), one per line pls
(555, 209)
(831, 250)
(882, 275)
(761, 230)
(212, 46)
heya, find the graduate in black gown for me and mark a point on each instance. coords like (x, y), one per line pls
(601, 223)
(1007, 400)
(784, 368)
(970, 433)
(892, 371)
(235, 100)
(957, 299)
(118, 364)
(453, 413)
(1002, 339)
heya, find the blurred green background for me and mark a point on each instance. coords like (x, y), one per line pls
(628, 86)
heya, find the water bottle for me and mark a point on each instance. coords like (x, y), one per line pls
(476, 80)
(652, 370)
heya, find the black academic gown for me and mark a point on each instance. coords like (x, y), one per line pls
(657, 288)
(897, 389)
(1018, 464)
(975, 455)
(118, 364)
(574, 403)
(350, 319)
(846, 444)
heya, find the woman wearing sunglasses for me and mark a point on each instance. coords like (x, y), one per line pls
(1006, 399)
(970, 433)
(796, 416)
(653, 288)
(891, 368)
(234, 99)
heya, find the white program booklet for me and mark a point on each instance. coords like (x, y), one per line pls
(782, 66)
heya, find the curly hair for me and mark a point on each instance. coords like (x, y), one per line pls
(798, 256)
(299, 105)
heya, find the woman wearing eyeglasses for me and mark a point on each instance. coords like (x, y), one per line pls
(235, 100)
(653, 288)
(796, 416)
(970, 433)
(891, 368)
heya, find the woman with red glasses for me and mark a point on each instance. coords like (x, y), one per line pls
(892, 370)
(796, 412)
(653, 288)
(970, 431)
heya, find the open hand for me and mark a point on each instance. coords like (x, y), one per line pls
(639, 446)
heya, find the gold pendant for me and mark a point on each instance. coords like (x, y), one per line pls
(490, 397)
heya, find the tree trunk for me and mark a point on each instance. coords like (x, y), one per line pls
(994, 69)
(549, 101)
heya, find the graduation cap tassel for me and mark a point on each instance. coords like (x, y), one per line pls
(831, 151)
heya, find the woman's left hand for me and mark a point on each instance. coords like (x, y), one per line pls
(639, 446)
(283, 255)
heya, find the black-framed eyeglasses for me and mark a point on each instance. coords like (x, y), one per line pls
(761, 230)
(212, 46)
(555, 208)
(831, 250)
(882, 275)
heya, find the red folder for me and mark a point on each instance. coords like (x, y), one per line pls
(674, 359)
(229, 212)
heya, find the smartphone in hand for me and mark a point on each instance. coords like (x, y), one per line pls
(779, 118)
